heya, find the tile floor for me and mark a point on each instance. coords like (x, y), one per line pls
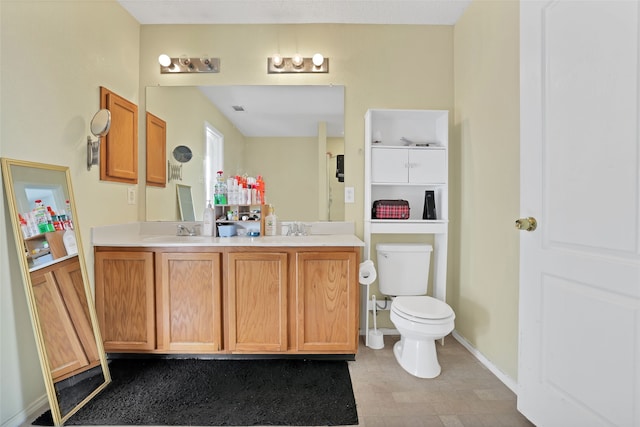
(465, 394)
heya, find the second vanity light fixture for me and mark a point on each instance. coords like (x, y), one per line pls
(297, 64)
(184, 64)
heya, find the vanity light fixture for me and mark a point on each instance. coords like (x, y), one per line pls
(276, 64)
(184, 64)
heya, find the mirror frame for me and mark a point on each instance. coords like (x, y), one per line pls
(57, 417)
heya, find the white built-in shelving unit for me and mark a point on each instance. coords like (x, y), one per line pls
(407, 154)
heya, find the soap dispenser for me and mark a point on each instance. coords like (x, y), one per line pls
(208, 220)
(271, 223)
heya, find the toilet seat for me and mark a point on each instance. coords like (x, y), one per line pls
(422, 309)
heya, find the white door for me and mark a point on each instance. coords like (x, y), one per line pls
(579, 352)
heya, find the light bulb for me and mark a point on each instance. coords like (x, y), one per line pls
(277, 60)
(164, 60)
(297, 60)
(318, 59)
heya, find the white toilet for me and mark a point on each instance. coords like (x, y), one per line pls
(403, 273)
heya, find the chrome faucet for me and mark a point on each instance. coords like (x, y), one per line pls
(183, 230)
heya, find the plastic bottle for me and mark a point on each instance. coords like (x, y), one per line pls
(40, 214)
(69, 241)
(26, 233)
(208, 220)
(220, 190)
(271, 223)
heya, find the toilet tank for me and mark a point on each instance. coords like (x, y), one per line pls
(403, 268)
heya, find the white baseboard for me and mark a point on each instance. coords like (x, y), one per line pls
(29, 413)
(506, 379)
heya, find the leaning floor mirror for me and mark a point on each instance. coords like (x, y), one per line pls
(45, 226)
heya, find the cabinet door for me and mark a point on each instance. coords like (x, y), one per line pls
(389, 165)
(427, 166)
(125, 300)
(119, 148)
(257, 302)
(188, 303)
(327, 301)
(156, 151)
(65, 320)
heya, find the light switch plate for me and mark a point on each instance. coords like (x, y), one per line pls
(349, 195)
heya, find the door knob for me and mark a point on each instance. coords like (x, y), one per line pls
(526, 224)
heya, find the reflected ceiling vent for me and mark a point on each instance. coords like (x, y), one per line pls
(237, 107)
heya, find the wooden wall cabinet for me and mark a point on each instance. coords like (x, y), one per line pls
(125, 300)
(188, 302)
(119, 149)
(156, 151)
(65, 319)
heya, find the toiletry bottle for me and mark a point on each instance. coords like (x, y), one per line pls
(41, 216)
(271, 223)
(220, 190)
(69, 241)
(208, 220)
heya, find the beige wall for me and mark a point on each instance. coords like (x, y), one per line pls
(483, 287)
(55, 55)
(381, 66)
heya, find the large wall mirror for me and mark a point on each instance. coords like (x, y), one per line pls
(293, 136)
(45, 224)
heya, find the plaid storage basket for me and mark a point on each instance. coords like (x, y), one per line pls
(390, 209)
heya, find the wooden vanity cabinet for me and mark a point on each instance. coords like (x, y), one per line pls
(269, 300)
(125, 299)
(257, 301)
(327, 301)
(64, 316)
(188, 302)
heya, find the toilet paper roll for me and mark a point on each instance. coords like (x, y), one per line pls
(367, 273)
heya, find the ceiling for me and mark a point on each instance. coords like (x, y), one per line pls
(280, 111)
(423, 12)
(283, 113)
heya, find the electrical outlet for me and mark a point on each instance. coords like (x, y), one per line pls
(349, 195)
(131, 195)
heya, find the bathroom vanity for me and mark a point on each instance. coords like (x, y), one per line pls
(160, 293)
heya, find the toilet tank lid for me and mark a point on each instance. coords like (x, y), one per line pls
(404, 247)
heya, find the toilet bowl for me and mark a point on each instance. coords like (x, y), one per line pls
(420, 320)
(403, 274)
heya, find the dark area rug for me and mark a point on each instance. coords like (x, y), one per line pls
(192, 392)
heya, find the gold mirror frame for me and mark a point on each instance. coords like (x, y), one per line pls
(72, 357)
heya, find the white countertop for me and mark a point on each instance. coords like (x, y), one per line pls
(163, 234)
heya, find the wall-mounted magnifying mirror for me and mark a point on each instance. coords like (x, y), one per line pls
(100, 125)
(182, 153)
(45, 226)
